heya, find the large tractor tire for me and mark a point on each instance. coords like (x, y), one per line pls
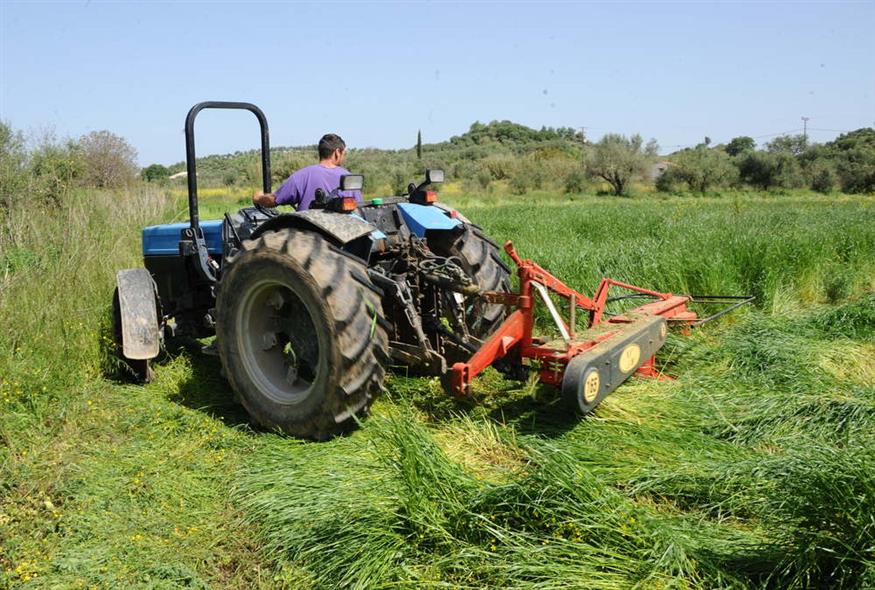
(479, 258)
(300, 334)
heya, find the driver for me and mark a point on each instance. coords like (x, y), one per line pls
(299, 189)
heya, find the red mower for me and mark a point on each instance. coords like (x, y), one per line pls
(585, 364)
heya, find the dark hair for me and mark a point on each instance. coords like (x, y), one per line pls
(328, 144)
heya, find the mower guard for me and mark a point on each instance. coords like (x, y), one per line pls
(138, 308)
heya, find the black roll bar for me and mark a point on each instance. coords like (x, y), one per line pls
(190, 158)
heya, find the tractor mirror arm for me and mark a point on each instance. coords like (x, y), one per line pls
(432, 176)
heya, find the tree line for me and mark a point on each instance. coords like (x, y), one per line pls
(520, 159)
(500, 155)
(46, 170)
(846, 163)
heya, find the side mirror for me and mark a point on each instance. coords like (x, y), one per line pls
(434, 176)
(355, 182)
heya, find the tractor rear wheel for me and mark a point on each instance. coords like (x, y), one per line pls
(300, 333)
(479, 258)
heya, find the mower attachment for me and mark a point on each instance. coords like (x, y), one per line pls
(588, 364)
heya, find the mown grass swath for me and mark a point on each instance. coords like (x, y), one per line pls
(753, 469)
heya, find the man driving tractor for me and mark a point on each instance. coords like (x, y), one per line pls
(299, 189)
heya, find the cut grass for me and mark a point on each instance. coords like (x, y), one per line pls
(753, 469)
(686, 483)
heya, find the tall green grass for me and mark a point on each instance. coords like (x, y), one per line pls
(102, 484)
(805, 249)
(753, 469)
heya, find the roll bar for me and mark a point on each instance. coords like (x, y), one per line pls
(190, 158)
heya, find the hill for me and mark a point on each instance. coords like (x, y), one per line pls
(486, 152)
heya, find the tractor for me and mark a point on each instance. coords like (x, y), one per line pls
(309, 308)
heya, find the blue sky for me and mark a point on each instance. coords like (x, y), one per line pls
(377, 72)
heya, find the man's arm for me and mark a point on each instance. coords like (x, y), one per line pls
(287, 194)
(264, 199)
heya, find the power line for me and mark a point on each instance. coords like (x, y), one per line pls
(775, 134)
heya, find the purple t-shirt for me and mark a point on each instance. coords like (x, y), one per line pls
(299, 189)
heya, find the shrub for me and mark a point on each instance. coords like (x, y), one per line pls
(283, 165)
(501, 166)
(575, 182)
(13, 159)
(55, 168)
(400, 178)
(484, 178)
(520, 183)
(155, 173)
(822, 176)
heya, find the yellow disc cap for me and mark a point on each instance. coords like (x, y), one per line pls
(630, 357)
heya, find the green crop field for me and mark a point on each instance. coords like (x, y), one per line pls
(754, 468)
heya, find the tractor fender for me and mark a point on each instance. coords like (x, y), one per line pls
(423, 218)
(338, 227)
(138, 308)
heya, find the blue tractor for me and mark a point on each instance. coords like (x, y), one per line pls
(309, 308)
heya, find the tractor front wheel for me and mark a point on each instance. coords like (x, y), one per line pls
(138, 370)
(300, 334)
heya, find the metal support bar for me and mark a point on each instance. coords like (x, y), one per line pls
(191, 158)
(736, 302)
(508, 334)
(557, 319)
(572, 308)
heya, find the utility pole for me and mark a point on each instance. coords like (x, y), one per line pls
(805, 128)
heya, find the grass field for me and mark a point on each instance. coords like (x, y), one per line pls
(755, 468)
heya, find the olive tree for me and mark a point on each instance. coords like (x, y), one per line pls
(766, 170)
(739, 145)
(793, 144)
(702, 168)
(854, 157)
(618, 160)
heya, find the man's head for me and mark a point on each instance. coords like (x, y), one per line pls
(332, 148)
